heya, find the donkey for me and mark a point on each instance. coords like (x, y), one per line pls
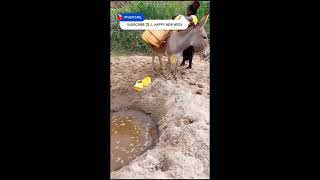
(178, 41)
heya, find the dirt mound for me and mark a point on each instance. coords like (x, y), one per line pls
(182, 114)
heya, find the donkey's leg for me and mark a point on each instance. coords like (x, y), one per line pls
(168, 67)
(173, 61)
(169, 64)
(176, 68)
(153, 69)
(160, 62)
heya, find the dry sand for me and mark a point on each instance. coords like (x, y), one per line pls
(181, 109)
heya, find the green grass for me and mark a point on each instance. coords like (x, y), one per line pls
(130, 41)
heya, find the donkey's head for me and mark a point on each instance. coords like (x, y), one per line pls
(195, 36)
(199, 38)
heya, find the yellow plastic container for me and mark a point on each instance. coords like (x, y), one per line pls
(146, 81)
(154, 37)
(194, 19)
(140, 84)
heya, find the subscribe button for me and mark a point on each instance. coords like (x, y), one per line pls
(136, 21)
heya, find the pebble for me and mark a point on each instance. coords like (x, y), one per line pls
(199, 91)
(200, 85)
(192, 83)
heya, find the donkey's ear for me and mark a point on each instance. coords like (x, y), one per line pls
(203, 20)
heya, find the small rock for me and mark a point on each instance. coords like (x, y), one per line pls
(199, 91)
(200, 85)
(192, 83)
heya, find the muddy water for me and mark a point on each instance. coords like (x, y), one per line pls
(132, 133)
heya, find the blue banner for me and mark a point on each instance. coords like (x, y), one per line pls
(130, 17)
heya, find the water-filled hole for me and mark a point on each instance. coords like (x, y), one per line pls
(132, 133)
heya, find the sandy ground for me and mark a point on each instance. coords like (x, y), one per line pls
(181, 108)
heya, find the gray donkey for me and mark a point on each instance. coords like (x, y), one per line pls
(178, 41)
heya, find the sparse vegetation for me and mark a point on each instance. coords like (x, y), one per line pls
(127, 42)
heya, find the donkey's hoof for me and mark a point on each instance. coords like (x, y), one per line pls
(189, 67)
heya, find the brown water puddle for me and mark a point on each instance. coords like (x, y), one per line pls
(132, 133)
